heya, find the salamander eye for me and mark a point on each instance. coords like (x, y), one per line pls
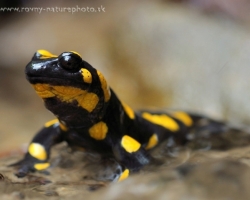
(70, 61)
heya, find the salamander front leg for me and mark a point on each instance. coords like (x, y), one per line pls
(37, 157)
(131, 155)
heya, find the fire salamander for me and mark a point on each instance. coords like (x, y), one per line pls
(89, 115)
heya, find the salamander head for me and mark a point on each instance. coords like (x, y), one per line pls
(71, 88)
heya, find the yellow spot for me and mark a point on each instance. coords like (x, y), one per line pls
(153, 140)
(162, 120)
(98, 131)
(87, 77)
(43, 90)
(45, 54)
(130, 144)
(37, 151)
(128, 111)
(76, 53)
(68, 94)
(88, 101)
(54, 121)
(41, 166)
(51, 122)
(105, 87)
(183, 117)
(63, 127)
(124, 175)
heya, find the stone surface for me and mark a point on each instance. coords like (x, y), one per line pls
(187, 175)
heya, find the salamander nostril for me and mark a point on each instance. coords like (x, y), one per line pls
(70, 61)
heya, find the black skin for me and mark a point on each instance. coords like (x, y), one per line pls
(64, 70)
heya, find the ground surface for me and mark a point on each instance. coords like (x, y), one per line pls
(185, 175)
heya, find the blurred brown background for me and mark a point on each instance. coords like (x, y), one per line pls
(192, 55)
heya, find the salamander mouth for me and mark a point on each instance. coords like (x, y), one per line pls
(44, 79)
(56, 81)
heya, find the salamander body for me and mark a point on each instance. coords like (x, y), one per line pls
(89, 115)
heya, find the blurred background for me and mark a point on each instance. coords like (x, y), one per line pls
(182, 54)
